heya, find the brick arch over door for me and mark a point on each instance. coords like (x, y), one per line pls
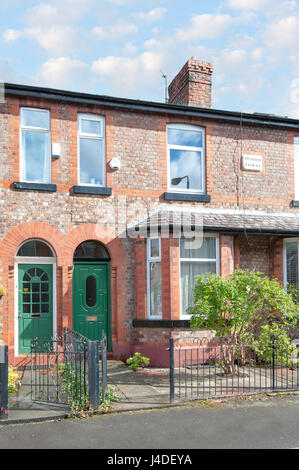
(118, 266)
(8, 249)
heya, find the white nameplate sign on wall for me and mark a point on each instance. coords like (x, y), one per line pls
(252, 162)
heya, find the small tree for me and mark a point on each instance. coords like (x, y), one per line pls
(247, 308)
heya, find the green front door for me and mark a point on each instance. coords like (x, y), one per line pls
(35, 309)
(91, 299)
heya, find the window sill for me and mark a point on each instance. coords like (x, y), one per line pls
(103, 191)
(161, 323)
(35, 186)
(295, 203)
(176, 196)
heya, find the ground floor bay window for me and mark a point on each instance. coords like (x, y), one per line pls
(196, 260)
(291, 278)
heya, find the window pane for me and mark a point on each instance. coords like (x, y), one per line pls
(186, 163)
(35, 248)
(32, 118)
(36, 156)
(91, 162)
(189, 271)
(155, 289)
(207, 249)
(91, 291)
(155, 248)
(292, 264)
(184, 137)
(91, 250)
(90, 127)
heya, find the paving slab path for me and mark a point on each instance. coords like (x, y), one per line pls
(133, 390)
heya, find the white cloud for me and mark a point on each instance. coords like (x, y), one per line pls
(52, 25)
(57, 40)
(130, 48)
(11, 35)
(249, 4)
(130, 75)
(204, 27)
(118, 30)
(152, 15)
(60, 72)
(283, 34)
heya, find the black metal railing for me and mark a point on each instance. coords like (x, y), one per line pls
(66, 370)
(3, 382)
(202, 369)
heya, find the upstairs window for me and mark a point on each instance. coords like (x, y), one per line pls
(35, 162)
(185, 145)
(91, 150)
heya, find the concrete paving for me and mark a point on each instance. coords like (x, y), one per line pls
(133, 390)
(21, 409)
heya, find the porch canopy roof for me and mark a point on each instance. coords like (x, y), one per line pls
(238, 222)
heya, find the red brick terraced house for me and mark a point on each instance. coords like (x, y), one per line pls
(77, 172)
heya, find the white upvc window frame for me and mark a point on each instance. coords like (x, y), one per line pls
(198, 260)
(186, 127)
(296, 168)
(285, 241)
(34, 129)
(151, 259)
(101, 137)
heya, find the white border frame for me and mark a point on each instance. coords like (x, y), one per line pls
(101, 137)
(149, 260)
(187, 127)
(33, 260)
(38, 129)
(217, 260)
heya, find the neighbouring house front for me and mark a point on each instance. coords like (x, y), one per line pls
(97, 194)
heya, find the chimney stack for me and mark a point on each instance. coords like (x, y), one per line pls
(193, 85)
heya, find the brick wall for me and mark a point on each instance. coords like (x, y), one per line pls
(139, 140)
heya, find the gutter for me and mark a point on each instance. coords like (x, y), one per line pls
(150, 107)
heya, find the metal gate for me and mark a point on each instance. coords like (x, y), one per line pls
(66, 370)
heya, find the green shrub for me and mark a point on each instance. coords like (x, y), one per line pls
(14, 381)
(137, 361)
(247, 309)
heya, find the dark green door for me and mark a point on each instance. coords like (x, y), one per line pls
(35, 310)
(91, 300)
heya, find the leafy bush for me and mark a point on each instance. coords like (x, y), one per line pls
(72, 385)
(248, 309)
(137, 361)
(14, 381)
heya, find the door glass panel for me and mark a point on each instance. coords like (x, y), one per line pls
(32, 297)
(91, 291)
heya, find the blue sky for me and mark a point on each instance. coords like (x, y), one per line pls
(119, 47)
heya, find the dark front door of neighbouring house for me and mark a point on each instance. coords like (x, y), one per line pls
(91, 305)
(35, 306)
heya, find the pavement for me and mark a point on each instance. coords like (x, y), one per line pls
(267, 423)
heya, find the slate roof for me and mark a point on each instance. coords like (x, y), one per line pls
(272, 223)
